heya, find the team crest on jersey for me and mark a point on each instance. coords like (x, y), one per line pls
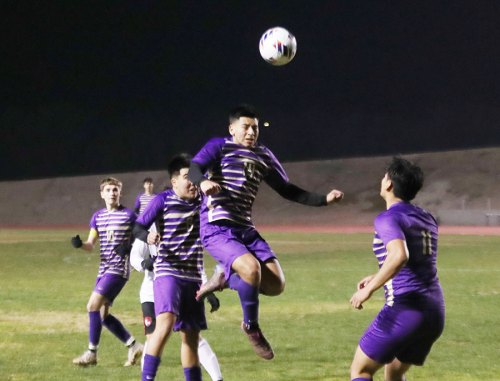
(110, 235)
(189, 221)
(250, 169)
(148, 320)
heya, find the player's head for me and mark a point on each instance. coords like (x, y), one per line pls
(111, 189)
(148, 185)
(178, 169)
(244, 125)
(403, 178)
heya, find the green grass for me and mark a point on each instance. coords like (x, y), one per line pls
(45, 284)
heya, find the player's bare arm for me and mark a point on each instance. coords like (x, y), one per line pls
(397, 256)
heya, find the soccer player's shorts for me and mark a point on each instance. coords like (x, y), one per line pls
(109, 286)
(226, 243)
(177, 296)
(403, 332)
(148, 317)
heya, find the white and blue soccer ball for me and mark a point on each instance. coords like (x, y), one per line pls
(277, 46)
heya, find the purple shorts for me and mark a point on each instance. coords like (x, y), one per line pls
(403, 332)
(177, 296)
(109, 286)
(226, 243)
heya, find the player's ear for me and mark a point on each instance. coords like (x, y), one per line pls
(231, 129)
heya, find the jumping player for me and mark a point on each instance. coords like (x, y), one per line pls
(229, 171)
(112, 225)
(405, 245)
(177, 270)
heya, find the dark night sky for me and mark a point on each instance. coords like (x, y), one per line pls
(110, 86)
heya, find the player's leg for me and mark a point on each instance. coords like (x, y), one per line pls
(189, 355)
(396, 370)
(273, 278)
(156, 343)
(149, 322)
(208, 359)
(94, 304)
(110, 286)
(363, 367)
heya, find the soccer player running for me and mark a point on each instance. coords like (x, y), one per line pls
(112, 226)
(142, 200)
(229, 171)
(142, 259)
(177, 270)
(405, 245)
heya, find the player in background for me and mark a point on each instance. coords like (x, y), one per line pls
(177, 270)
(143, 199)
(112, 226)
(143, 261)
(229, 171)
(406, 247)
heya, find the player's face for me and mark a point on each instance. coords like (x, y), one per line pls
(245, 131)
(111, 195)
(183, 187)
(148, 187)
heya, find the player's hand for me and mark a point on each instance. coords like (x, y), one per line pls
(76, 241)
(153, 238)
(360, 297)
(363, 282)
(210, 187)
(334, 196)
(123, 249)
(213, 301)
(148, 264)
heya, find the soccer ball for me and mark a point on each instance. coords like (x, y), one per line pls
(277, 46)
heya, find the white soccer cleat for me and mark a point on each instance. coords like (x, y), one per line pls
(134, 354)
(88, 358)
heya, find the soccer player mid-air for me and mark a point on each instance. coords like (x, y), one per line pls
(405, 245)
(112, 226)
(229, 171)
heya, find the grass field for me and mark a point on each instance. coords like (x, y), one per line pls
(45, 284)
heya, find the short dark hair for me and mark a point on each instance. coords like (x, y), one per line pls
(407, 178)
(147, 180)
(245, 110)
(182, 160)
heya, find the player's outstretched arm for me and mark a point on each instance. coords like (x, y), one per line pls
(294, 193)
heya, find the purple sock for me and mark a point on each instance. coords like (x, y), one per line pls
(234, 281)
(150, 367)
(249, 297)
(362, 379)
(116, 327)
(95, 329)
(192, 374)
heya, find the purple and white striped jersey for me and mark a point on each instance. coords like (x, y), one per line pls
(418, 228)
(180, 252)
(114, 228)
(142, 201)
(239, 171)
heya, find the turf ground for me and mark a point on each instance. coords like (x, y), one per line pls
(45, 284)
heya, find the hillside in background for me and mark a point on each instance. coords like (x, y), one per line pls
(461, 188)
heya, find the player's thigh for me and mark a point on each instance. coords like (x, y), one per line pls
(96, 302)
